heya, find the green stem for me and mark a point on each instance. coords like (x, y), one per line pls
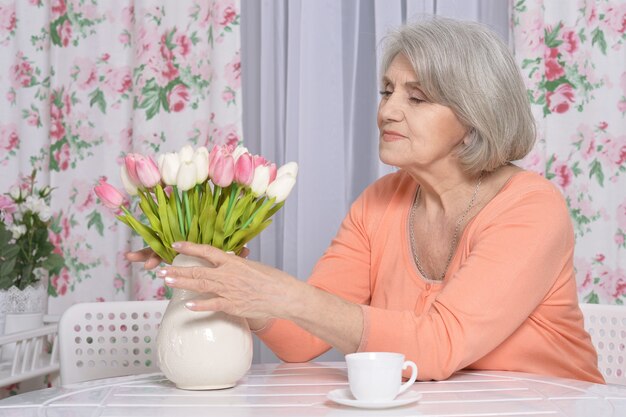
(179, 211)
(153, 205)
(216, 195)
(253, 215)
(187, 209)
(231, 204)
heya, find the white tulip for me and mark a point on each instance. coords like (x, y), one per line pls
(126, 182)
(186, 178)
(201, 160)
(281, 187)
(290, 168)
(260, 180)
(239, 150)
(186, 153)
(169, 164)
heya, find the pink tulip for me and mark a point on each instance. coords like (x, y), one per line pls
(108, 194)
(147, 171)
(259, 161)
(223, 168)
(273, 171)
(212, 155)
(244, 169)
(131, 168)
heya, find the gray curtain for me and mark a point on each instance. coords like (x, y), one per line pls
(310, 86)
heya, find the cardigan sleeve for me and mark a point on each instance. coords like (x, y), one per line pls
(514, 259)
(343, 270)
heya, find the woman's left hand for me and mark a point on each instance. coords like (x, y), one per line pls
(242, 287)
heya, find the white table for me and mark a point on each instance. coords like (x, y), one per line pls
(279, 390)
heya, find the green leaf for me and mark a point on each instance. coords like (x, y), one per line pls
(552, 85)
(596, 170)
(151, 238)
(7, 267)
(551, 39)
(597, 36)
(241, 237)
(148, 210)
(193, 230)
(54, 34)
(207, 221)
(163, 215)
(151, 99)
(54, 264)
(97, 97)
(218, 232)
(526, 62)
(172, 218)
(95, 219)
(163, 100)
(592, 298)
(52, 292)
(274, 209)
(241, 206)
(260, 214)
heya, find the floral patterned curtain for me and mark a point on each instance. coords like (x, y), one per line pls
(573, 57)
(83, 82)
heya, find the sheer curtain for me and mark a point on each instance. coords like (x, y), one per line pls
(309, 74)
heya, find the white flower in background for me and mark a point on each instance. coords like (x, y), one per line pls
(45, 213)
(239, 150)
(126, 181)
(169, 163)
(34, 204)
(17, 231)
(201, 160)
(15, 193)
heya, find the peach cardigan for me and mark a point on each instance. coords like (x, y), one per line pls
(508, 301)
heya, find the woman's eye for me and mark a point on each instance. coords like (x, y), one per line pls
(416, 99)
(385, 93)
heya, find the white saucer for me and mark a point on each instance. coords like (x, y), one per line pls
(344, 397)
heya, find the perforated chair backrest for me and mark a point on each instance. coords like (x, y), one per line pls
(606, 325)
(108, 339)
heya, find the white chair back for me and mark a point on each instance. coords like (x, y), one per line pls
(108, 339)
(606, 325)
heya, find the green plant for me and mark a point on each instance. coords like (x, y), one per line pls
(24, 241)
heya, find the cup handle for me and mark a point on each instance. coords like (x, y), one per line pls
(413, 377)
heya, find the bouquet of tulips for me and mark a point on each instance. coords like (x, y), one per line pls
(223, 198)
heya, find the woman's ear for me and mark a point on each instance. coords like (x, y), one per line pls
(470, 136)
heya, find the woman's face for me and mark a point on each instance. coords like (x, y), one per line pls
(414, 132)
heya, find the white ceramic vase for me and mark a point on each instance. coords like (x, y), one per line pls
(202, 350)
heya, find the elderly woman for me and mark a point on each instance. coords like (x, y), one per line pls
(460, 260)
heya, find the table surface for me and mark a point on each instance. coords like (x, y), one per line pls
(279, 390)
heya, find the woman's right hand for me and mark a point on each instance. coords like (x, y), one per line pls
(146, 255)
(152, 260)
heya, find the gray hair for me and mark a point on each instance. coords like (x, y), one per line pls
(466, 67)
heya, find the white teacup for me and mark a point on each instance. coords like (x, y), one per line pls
(376, 376)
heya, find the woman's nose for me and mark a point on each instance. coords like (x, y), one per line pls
(390, 109)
